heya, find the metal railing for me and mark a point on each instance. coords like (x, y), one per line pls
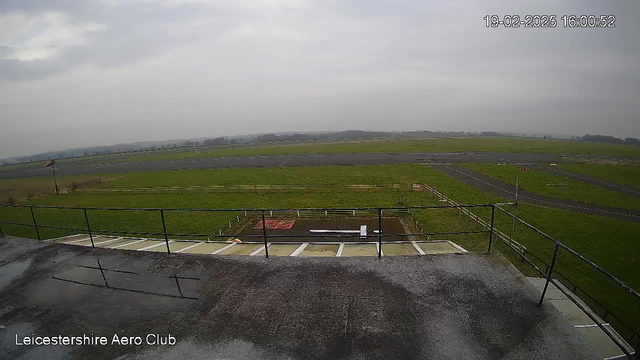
(376, 212)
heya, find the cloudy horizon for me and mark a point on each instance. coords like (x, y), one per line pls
(78, 74)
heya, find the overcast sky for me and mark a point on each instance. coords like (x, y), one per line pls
(81, 73)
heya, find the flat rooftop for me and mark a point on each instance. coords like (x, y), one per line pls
(449, 306)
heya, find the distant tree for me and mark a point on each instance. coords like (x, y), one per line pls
(631, 141)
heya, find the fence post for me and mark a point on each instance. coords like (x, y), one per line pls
(379, 233)
(493, 215)
(164, 229)
(553, 263)
(264, 234)
(86, 219)
(35, 224)
(1, 233)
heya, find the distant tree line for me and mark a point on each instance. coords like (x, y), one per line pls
(281, 137)
(611, 139)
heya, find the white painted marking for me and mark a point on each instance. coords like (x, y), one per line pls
(420, 251)
(73, 241)
(127, 244)
(458, 247)
(259, 250)
(340, 249)
(189, 247)
(589, 325)
(155, 245)
(107, 242)
(299, 249)
(223, 249)
(363, 231)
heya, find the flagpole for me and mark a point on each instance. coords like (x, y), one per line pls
(54, 178)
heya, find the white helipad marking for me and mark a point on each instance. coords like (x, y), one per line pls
(300, 249)
(129, 243)
(155, 245)
(259, 250)
(420, 251)
(189, 247)
(222, 249)
(107, 242)
(340, 249)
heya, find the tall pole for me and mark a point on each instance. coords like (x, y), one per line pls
(54, 178)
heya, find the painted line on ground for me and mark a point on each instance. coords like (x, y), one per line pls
(222, 249)
(589, 325)
(259, 250)
(73, 241)
(188, 247)
(108, 241)
(415, 245)
(457, 246)
(129, 243)
(340, 249)
(155, 245)
(299, 249)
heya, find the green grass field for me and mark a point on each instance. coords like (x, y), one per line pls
(505, 145)
(610, 243)
(622, 174)
(537, 180)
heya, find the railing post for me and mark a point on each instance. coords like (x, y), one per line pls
(549, 273)
(86, 219)
(379, 233)
(35, 224)
(493, 215)
(264, 234)
(164, 229)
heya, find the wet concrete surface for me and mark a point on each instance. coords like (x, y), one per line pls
(284, 160)
(507, 191)
(423, 307)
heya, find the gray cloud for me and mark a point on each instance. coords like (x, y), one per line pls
(101, 72)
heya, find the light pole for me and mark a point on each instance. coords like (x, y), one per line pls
(52, 163)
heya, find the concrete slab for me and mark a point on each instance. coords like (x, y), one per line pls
(438, 248)
(137, 244)
(206, 248)
(571, 311)
(316, 250)
(241, 249)
(112, 244)
(405, 307)
(399, 249)
(605, 346)
(360, 250)
(281, 249)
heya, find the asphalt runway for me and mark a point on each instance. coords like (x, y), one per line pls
(70, 168)
(507, 191)
(472, 306)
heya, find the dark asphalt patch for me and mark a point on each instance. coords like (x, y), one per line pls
(507, 192)
(422, 307)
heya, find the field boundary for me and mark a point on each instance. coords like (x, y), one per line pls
(223, 188)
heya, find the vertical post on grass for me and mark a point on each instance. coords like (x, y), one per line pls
(1, 233)
(264, 234)
(164, 229)
(517, 186)
(35, 224)
(549, 273)
(86, 219)
(493, 215)
(379, 233)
